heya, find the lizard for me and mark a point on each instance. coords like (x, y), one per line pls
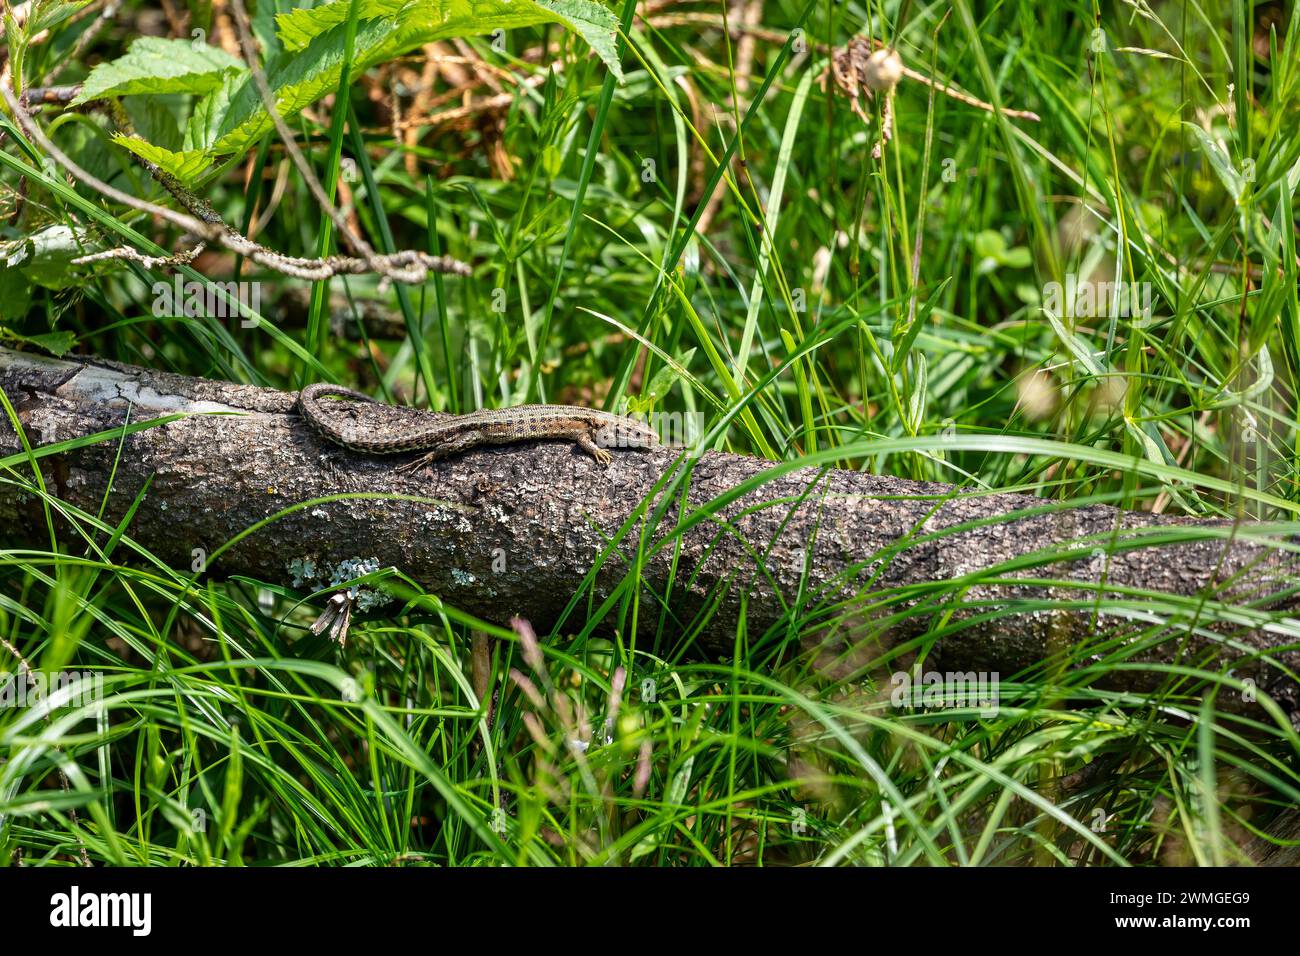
(591, 430)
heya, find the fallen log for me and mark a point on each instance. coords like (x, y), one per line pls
(845, 561)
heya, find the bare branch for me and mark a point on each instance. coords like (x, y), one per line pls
(128, 254)
(354, 241)
(408, 266)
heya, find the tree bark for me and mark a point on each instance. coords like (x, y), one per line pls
(514, 530)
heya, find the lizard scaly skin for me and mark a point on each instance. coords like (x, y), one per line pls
(590, 429)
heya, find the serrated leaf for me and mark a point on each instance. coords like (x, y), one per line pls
(159, 65)
(314, 38)
(158, 119)
(187, 165)
(264, 27)
(230, 116)
(299, 27)
(438, 19)
(204, 126)
(57, 344)
(297, 79)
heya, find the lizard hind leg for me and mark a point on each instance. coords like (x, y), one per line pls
(411, 467)
(455, 446)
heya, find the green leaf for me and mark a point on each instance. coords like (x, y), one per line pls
(158, 119)
(660, 385)
(663, 380)
(992, 251)
(45, 258)
(1018, 258)
(1028, 294)
(46, 15)
(299, 27)
(56, 343)
(264, 27)
(1220, 161)
(313, 39)
(187, 165)
(1075, 345)
(989, 244)
(919, 321)
(552, 160)
(158, 65)
(15, 296)
(204, 125)
(230, 116)
(438, 19)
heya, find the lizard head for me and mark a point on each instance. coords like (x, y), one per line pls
(626, 433)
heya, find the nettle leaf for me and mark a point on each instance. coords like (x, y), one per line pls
(595, 24)
(183, 153)
(229, 117)
(314, 40)
(297, 28)
(265, 29)
(298, 79)
(204, 127)
(185, 165)
(158, 119)
(159, 65)
(438, 19)
(57, 344)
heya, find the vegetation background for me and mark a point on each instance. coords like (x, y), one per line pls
(689, 184)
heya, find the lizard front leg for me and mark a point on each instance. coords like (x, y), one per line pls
(588, 444)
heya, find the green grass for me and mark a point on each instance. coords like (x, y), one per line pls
(834, 310)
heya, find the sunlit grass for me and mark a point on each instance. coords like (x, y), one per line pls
(889, 314)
